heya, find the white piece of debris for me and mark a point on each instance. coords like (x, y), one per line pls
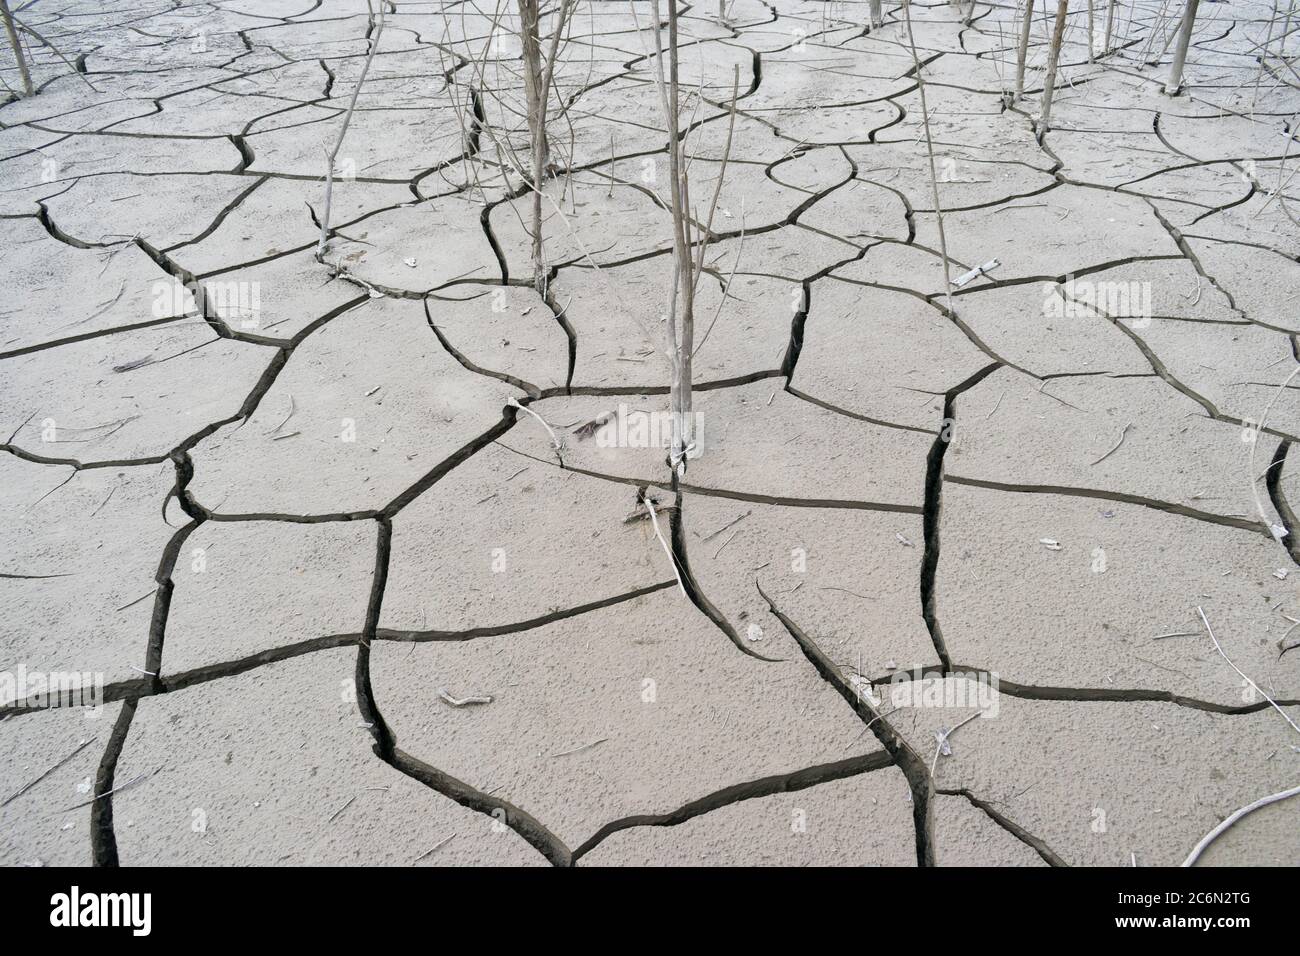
(862, 686)
(463, 701)
(1050, 543)
(410, 263)
(968, 277)
(941, 737)
(903, 541)
(1281, 574)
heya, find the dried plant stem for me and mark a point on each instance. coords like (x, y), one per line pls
(1263, 57)
(1243, 675)
(376, 30)
(578, 750)
(1175, 81)
(1092, 54)
(434, 849)
(1233, 818)
(654, 522)
(453, 701)
(1115, 447)
(556, 444)
(539, 147)
(681, 310)
(717, 189)
(1053, 59)
(57, 52)
(929, 148)
(539, 78)
(726, 288)
(1022, 51)
(18, 48)
(18, 793)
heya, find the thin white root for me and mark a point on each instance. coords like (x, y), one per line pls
(654, 520)
(1237, 815)
(1285, 716)
(1114, 448)
(555, 440)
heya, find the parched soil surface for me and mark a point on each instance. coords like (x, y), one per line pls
(347, 603)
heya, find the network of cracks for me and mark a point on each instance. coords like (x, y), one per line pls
(939, 588)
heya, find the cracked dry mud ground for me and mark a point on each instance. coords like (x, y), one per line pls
(274, 609)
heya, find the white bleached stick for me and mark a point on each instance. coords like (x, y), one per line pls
(1285, 716)
(654, 520)
(1237, 815)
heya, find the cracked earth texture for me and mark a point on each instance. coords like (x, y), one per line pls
(285, 519)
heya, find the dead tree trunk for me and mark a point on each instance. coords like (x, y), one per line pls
(1022, 52)
(375, 31)
(18, 48)
(1175, 82)
(1091, 52)
(681, 309)
(877, 15)
(539, 79)
(535, 95)
(1053, 58)
(1110, 27)
(683, 431)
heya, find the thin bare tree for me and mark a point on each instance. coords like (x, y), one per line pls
(539, 79)
(877, 15)
(18, 48)
(1022, 51)
(1263, 57)
(1053, 59)
(14, 26)
(680, 319)
(929, 149)
(1092, 54)
(374, 31)
(688, 247)
(1175, 81)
